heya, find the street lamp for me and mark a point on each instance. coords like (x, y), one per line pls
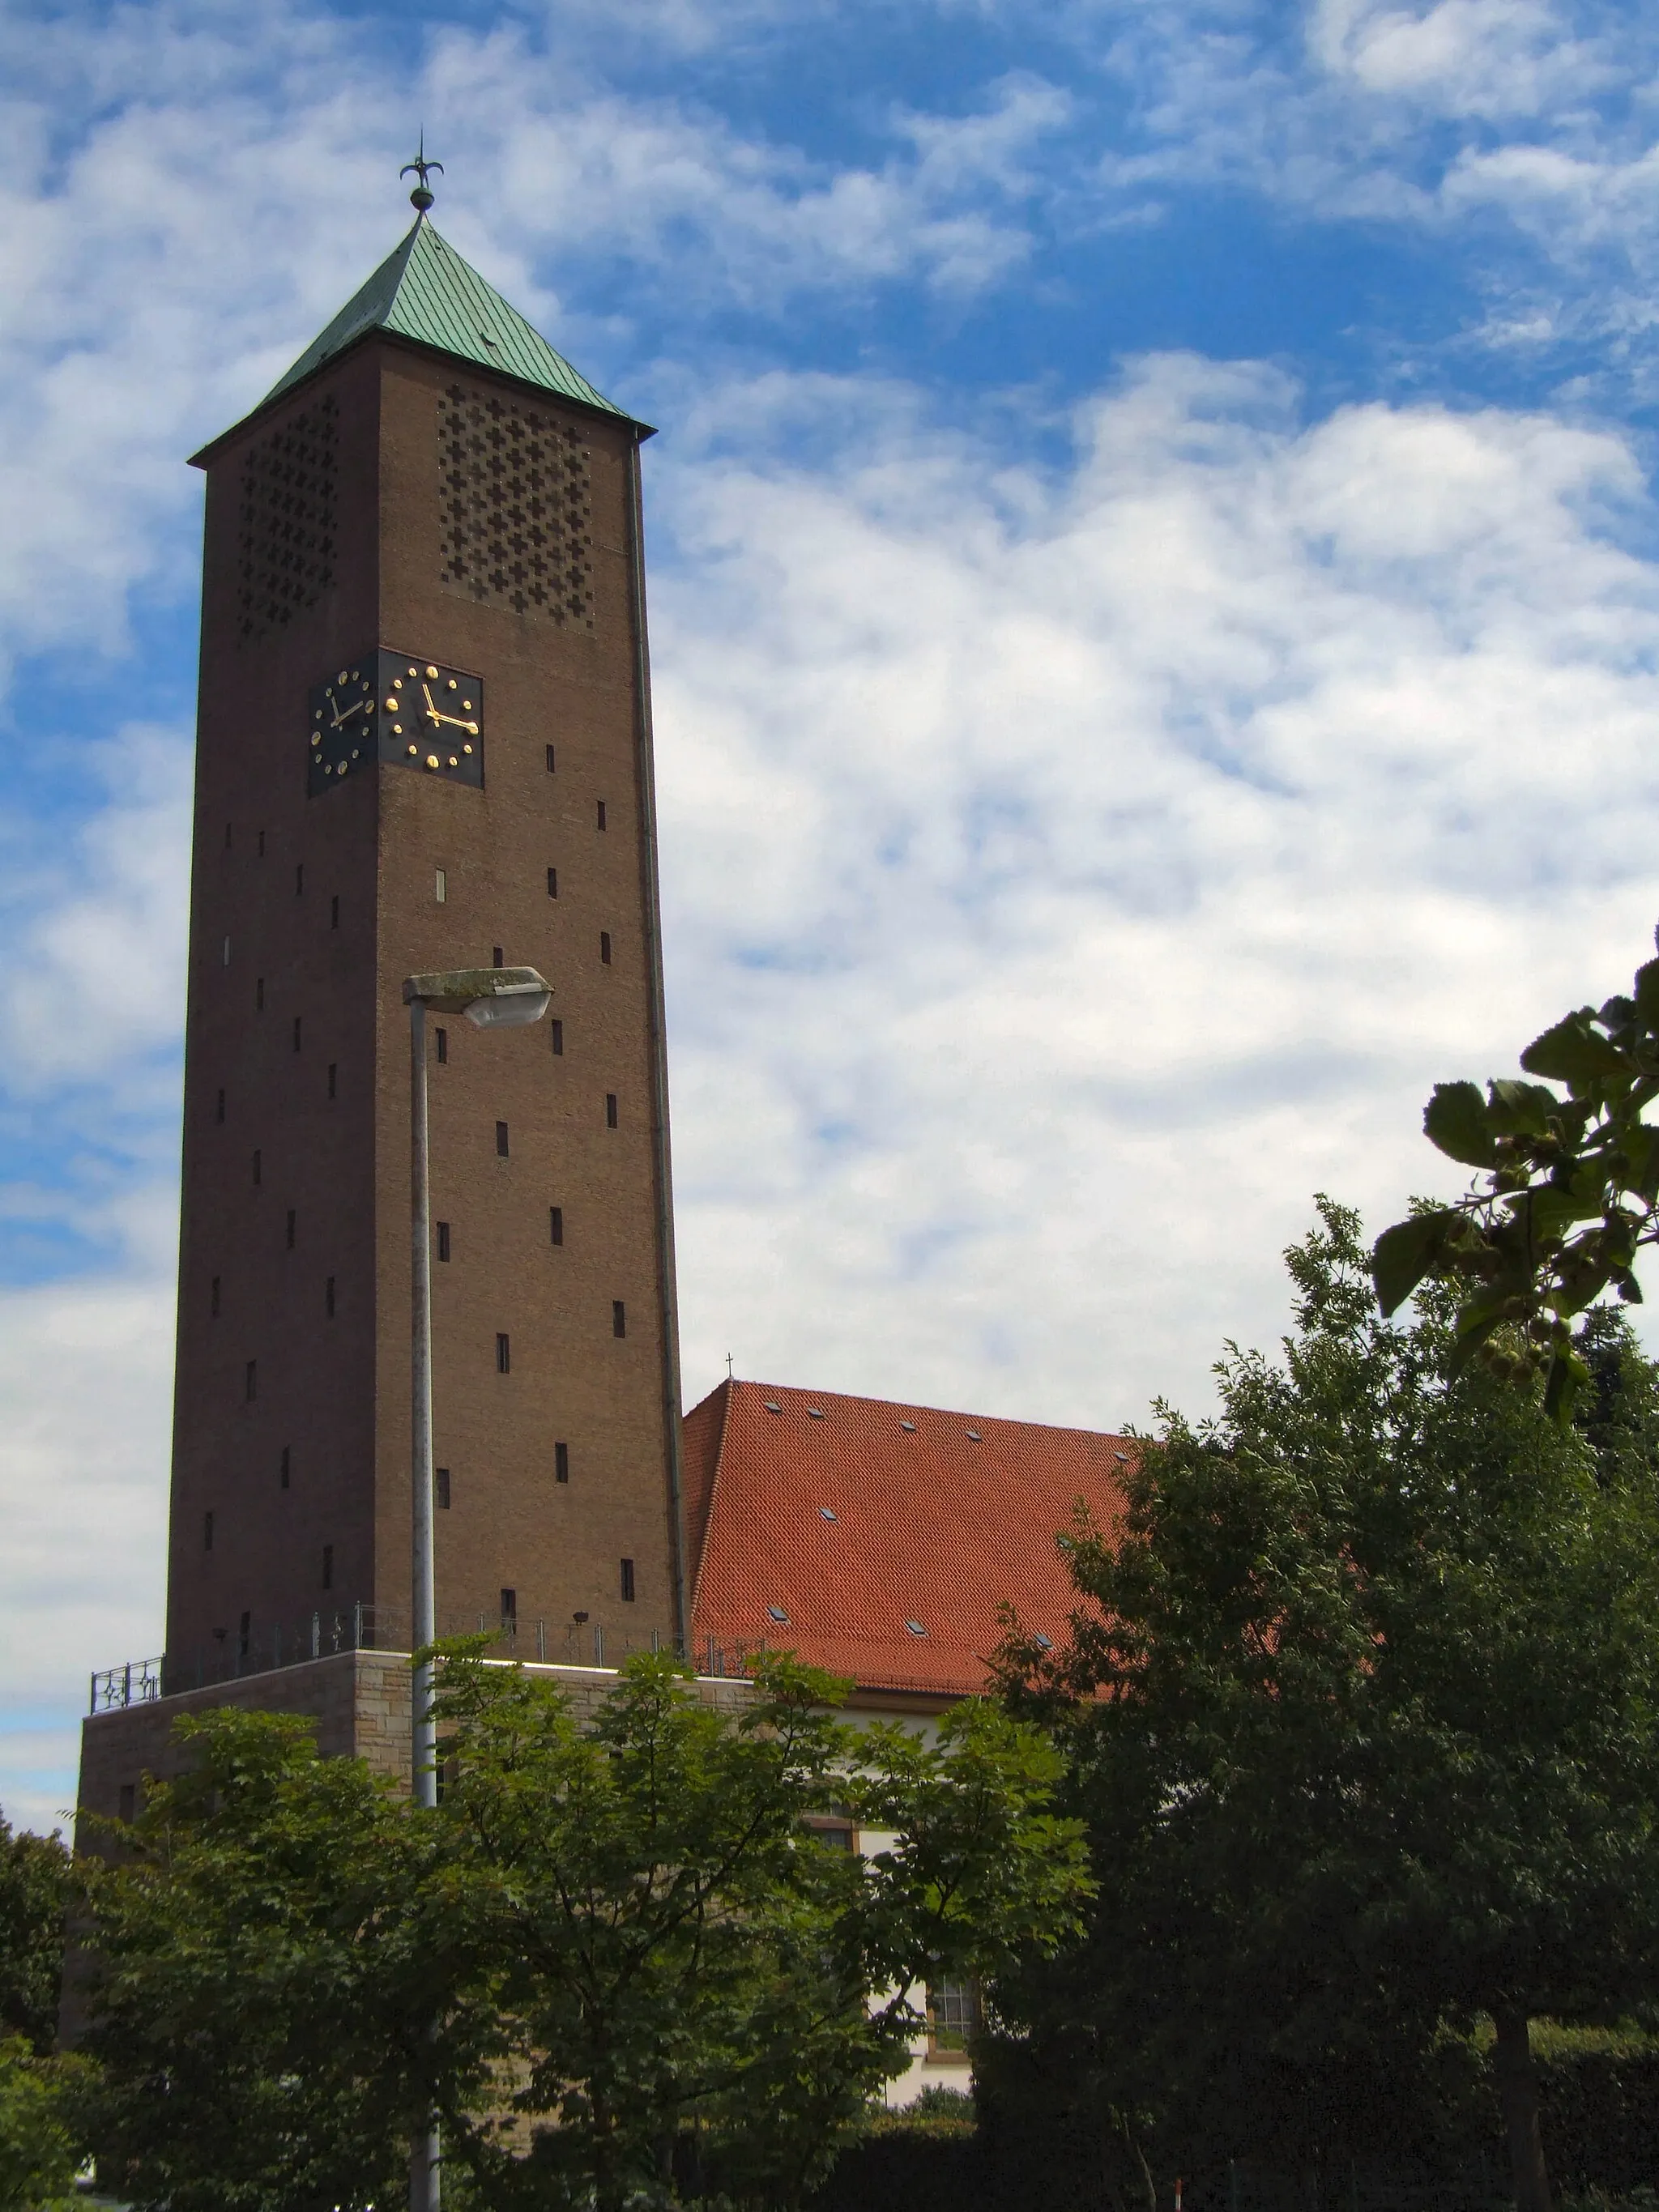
(490, 997)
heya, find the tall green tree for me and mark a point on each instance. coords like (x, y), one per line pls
(618, 1945)
(1360, 1705)
(36, 1883)
(679, 1957)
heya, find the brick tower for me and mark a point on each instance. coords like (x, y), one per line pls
(424, 742)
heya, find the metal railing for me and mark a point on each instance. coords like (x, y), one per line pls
(260, 1648)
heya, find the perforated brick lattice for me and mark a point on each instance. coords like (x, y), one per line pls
(286, 539)
(517, 506)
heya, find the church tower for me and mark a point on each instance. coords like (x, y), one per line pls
(424, 744)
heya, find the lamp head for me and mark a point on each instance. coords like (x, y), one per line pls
(490, 997)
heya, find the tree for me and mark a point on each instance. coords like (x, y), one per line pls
(679, 1959)
(35, 1885)
(1567, 1196)
(617, 1942)
(1359, 1704)
(260, 2009)
(39, 2150)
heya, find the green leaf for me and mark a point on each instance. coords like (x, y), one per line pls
(1520, 1110)
(1552, 1211)
(1404, 1254)
(1575, 1053)
(1567, 1371)
(1454, 1119)
(1647, 994)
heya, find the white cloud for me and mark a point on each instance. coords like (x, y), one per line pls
(1066, 878)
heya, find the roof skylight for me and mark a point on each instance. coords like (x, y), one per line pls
(825, 1514)
(915, 1628)
(776, 1612)
(975, 1437)
(910, 1425)
(814, 1412)
(773, 1409)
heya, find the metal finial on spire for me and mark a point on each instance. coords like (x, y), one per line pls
(421, 199)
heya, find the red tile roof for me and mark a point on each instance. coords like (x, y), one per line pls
(851, 1516)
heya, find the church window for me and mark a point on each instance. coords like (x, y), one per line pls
(440, 886)
(515, 507)
(552, 882)
(286, 519)
(610, 1109)
(443, 1240)
(557, 1028)
(207, 1532)
(627, 1582)
(213, 1300)
(500, 1140)
(440, 1477)
(619, 1318)
(605, 946)
(503, 1354)
(555, 1225)
(328, 1566)
(561, 1463)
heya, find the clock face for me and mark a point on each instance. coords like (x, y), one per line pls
(395, 706)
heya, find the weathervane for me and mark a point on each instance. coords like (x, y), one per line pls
(421, 199)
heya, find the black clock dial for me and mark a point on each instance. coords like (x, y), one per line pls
(397, 708)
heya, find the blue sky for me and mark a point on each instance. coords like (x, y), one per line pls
(1155, 600)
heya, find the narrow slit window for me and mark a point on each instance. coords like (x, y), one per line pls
(443, 1240)
(441, 1037)
(258, 995)
(297, 1019)
(495, 959)
(285, 1469)
(299, 880)
(244, 1635)
(552, 882)
(627, 1582)
(557, 1028)
(509, 1608)
(440, 1476)
(259, 1164)
(207, 1532)
(226, 836)
(550, 760)
(500, 1140)
(251, 1381)
(503, 1353)
(129, 1801)
(224, 954)
(605, 946)
(555, 1225)
(610, 1109)
(213, 1300)
(600, 803)
(328, 1297)
(333, 1078)
(619, 1318)
(561, 1463)
(262, 844)
(219, 1110)
(440, 886)
(334, 911)
(328, 1566)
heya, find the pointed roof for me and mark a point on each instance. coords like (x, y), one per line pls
(424, 291)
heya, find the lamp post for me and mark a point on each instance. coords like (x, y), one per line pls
(489, 998)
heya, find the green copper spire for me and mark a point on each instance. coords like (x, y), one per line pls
(426, 292)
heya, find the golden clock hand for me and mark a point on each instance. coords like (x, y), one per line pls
(456, 721)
